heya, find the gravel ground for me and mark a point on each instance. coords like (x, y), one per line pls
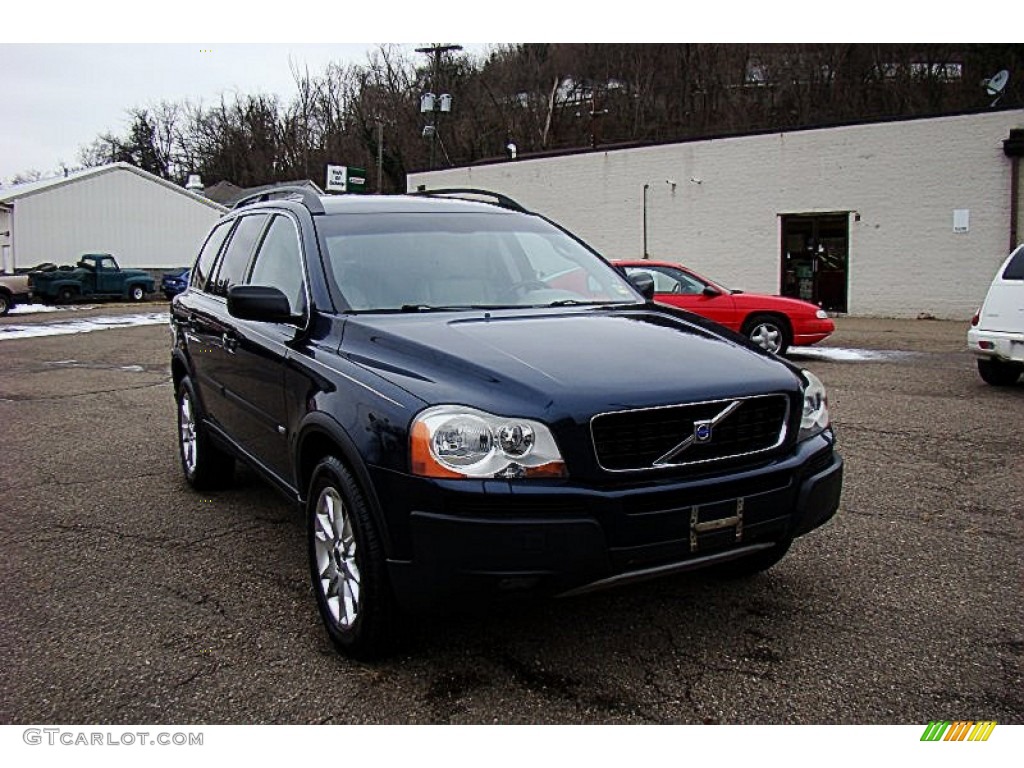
(131, 599)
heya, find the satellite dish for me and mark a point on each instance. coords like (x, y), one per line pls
(996, 84)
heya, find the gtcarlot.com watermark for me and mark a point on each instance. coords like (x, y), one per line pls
(74, 738)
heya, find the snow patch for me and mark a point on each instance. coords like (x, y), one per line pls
(84, 325)
(844, 355)
(33, 309)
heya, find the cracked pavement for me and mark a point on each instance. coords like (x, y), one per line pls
(131, 599)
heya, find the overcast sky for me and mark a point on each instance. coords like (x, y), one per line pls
(58, 97)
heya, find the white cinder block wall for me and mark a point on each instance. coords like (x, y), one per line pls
(723, 217)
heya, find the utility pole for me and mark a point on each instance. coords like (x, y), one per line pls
(437, 51)
(380, 156)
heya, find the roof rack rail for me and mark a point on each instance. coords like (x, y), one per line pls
(502, 201)
(310, 199)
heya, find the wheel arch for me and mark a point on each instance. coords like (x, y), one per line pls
(321, 436)
(179, 370)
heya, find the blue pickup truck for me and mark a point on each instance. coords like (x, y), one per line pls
(96, 276)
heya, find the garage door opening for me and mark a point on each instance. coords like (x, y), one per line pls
(815, 253)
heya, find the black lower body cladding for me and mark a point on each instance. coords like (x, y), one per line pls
(462, 541)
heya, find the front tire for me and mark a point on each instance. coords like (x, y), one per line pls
(205, 465)
(347, 564)
(136, 293)
(998, 373)
(6, 304)
(769, 332)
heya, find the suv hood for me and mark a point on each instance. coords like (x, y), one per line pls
(549, 364)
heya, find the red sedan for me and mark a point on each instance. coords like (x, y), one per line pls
(773, 322)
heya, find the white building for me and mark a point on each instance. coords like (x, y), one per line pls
(898, 218)
(143, 220)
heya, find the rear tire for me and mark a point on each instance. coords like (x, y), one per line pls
(206, 466)
(769, 332)
(66, 295)
(751, 565)
(6, 304)
(347, 564)
(998, 373)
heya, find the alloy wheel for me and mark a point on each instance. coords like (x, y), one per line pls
(336, 565)
(767, 336)
(187, 433)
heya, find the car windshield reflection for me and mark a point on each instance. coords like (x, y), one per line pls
(448, 262)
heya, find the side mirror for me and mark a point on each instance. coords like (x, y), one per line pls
(710, 291)
(643, 282)
(259, 302)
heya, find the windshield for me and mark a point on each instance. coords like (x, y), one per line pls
(426, 261)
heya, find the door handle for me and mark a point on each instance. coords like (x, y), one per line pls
(230, 342)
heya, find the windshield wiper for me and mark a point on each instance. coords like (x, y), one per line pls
(583, 303)
(452, 307)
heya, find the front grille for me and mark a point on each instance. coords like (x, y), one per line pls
(646, 438)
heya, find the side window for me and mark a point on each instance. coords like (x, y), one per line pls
(201, 271)
(680, 282)
(107, 263)
(1015, 269)
(279, 263)
(235, 263)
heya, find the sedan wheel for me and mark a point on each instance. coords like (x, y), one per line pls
(768, 333)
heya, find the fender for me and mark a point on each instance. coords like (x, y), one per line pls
(320, 423)
(56, 285)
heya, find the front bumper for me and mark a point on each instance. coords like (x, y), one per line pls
(1006, 347)
(812, 331)
(465, 541)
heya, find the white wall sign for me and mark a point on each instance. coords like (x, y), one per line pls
(961, 220)
(337, 178)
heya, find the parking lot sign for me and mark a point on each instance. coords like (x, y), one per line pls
(344, 178)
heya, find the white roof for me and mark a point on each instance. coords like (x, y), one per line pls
(10, 194)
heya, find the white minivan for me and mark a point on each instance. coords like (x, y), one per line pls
(997, 330)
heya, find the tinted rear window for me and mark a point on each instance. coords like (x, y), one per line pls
(209, 253)
(235, 263)
(1015, 269)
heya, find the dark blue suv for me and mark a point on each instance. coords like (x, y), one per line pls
(468, 402)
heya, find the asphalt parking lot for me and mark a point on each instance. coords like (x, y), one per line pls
(130, 599)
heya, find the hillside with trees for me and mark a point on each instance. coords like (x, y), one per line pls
(549, 97)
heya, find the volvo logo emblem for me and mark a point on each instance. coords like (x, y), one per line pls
(701, 435)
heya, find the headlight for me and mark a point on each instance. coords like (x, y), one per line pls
(815, 414)
(821, 314)
(456, 441)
